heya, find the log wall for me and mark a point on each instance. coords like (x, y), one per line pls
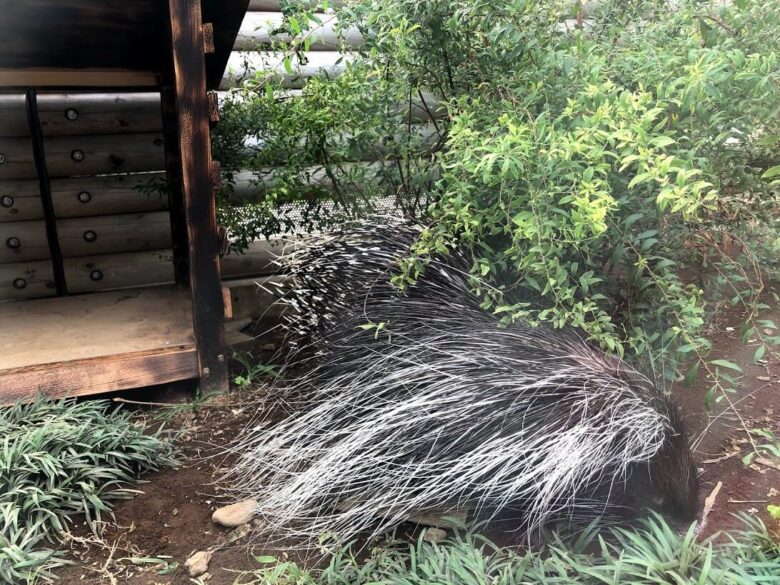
(100, 150)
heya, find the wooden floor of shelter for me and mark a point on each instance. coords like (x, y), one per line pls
(92, 343)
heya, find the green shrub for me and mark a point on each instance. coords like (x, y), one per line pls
(595, 171)
(58, 459)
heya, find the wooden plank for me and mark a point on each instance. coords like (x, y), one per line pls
(26, 280)
(99, 113)
(98, 375)
(77, 78)
(213, 107)
(112, 234)
(22, 241)
(20, 200)
(178, 218)
(199, 202)
(227, 303)
(67, 156)
(80, 327)
(108, 195)
(119, 271)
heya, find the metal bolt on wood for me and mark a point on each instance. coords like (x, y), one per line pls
(7, 201)
(71, 114)
(96, 275)
(13, 242)
(84, 196)
(20, 283)
(2, 158)
(90, 236)
(77, 155)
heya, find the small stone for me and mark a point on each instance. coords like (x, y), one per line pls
(198, 563)
(175, 512)
(235, 514)
(434, 535)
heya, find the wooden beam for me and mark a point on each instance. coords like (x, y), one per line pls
(77, 78)
(199, 202)
(178, 219)
(98, 375)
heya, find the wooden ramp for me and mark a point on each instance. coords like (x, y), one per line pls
(94, 343)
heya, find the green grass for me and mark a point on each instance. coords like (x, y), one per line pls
(58, 459)
(651, 554)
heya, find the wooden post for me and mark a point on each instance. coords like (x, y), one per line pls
(181, 261)
(199, 204)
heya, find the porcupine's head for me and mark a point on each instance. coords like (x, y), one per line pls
(668, 483)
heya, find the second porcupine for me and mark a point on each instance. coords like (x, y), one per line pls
(421, 402)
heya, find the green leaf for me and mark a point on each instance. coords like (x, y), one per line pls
(726, 364)
(771, 172)
(760, 351)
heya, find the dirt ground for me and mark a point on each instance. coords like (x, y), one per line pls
(171, 519)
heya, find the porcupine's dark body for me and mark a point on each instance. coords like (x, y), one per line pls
(441, 408)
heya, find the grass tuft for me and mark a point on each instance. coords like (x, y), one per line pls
(63, 458)
(652, 554)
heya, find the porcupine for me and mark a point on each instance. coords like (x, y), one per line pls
(418, 402)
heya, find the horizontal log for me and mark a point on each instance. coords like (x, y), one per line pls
(20, 200)
(13, 115)
(26, 280)
(259, 67)
(250, 187)
(68, 156)
(275, 5)
(107, 195)
(104, 154)
(23, 241)
(104, 272)
(99, 113)
(16, 158)
(259, 259)
(119, 271)
(113, 234)
(257, 33)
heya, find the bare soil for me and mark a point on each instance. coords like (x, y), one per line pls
(171, 519)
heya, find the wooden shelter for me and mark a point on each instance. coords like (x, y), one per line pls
(68, 343)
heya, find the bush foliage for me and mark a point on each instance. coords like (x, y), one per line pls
(603, 159)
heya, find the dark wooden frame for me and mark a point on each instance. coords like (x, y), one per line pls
(194, 193)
